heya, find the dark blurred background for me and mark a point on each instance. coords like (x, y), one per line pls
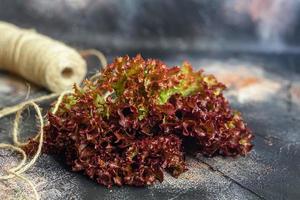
(252, 46)
(130, 26)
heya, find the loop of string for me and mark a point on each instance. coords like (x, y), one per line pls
(88, 52)
(23, 166)
(18, 170)
(101, 57)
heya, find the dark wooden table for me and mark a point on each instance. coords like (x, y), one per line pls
(266, 89)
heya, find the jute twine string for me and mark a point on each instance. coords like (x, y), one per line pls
(40, 59)
(23, 165)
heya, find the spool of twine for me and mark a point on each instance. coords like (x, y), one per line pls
(40, 59)
(45, 62)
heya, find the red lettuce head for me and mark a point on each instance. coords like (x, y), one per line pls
(136, 119)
